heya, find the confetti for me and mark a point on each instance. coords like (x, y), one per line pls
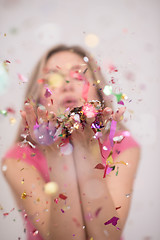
(22, 78)
(86, 59)
(89, 110)
(117, 171)
(98, 211)
(91, 40)
(4, 168)
(62, 196)
(62, 210)
(12, 121)
(113, 221)
(118, 139)
(128, 195)
(48, 93)
(100, 166)
(45, 133)
(112, 68)
(24, 195)
(51, 188)
(66, 149)
(118, 208)
(3, 112)
(35, 232)
(55, 80)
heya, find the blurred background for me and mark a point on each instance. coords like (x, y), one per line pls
(122, 33)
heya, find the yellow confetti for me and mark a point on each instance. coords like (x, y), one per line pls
(51, 188)
(22, 181)
(91, 40)
(1, 208)
(110, 160)
(98, 81)
(91, 238)
(121, 162)
(55, 80)
(38, 199)
(12, 121)
(24, 195)
(24, 155)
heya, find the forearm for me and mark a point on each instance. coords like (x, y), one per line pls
(97, 203)
(66, 214)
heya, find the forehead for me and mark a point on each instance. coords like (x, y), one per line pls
(65, 60)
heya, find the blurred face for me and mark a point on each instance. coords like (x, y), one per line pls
(67, 82)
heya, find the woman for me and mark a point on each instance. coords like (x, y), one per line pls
(69, 139)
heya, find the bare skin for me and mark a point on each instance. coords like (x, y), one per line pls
(74, 174)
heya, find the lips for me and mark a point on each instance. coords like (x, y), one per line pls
(69, 102)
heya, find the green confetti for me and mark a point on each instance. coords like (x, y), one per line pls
(117, 171)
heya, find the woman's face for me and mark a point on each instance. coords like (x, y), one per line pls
(65, 78)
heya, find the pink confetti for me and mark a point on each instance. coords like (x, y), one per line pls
(48, 93)
(62, 210)
(121, 102)
(22, 78)
(89, 110)
(113, 221)
(97, 212)
(108, 170)
(112, 68)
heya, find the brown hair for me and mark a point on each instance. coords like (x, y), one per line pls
(34, 88)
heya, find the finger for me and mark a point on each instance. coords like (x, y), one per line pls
(30, 116)
(42, 114)
(118, 115)
(23, 115)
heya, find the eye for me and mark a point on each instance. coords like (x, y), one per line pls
(76, 75)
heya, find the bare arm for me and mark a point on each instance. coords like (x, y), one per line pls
(45, 214)
(101, 196)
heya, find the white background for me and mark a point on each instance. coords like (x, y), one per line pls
(129, 37)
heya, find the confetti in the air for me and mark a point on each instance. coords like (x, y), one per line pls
(112, 221)
(51, 188)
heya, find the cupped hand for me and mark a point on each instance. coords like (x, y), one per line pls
(41, 126)
(95, 126)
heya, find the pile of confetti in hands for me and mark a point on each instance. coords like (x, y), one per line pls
(46, 128)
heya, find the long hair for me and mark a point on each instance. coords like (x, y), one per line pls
(34, 88)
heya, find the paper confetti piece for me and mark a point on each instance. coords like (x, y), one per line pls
(35, 232)
(91, 40)
(62, 196)
(100, 166)
(117, 171)
(112, 221)
(24, 195)
(98, 211)
(22, 78)
(48, 93)
(51, 188)
(118, 208)
(62, 210)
